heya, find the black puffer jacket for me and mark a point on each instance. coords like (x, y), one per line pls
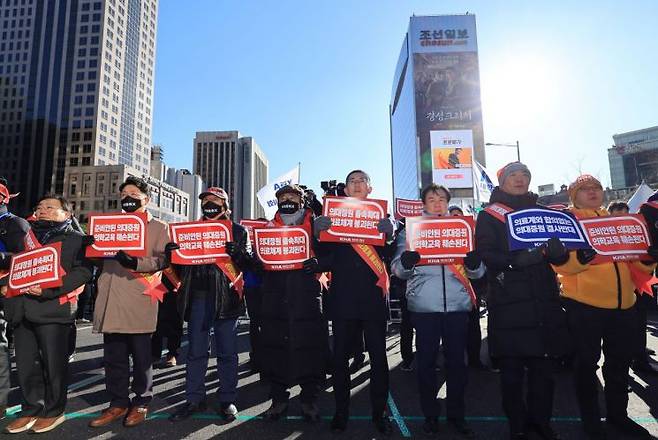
(228, 304)
(46, 308)
(525, 314)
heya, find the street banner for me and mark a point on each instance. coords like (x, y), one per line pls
(354, 220)
(617, 238)
(529, 228)
(37, 267)
(115, 232)
(249, 225)
(201, 242)
(441, 240)
(408, 208)
(283, 247)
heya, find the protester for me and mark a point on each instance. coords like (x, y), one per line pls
(12, 234)
(170, 326)
(440, 299)
(209, 299)
(127, 316)
(600, 304)
(253, 298)
(294, 337)
(42, 323)
(527, 325)
(356, 300)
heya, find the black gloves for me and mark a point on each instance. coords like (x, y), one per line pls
(321, 223)
(409, 259)
(386, 226)
(472, 260)
(237, 254)
(5, 260)
(311, 265)
(169, 248)
(528, 257)
(88, 240)
(127, 261)
(556, 252)
(585, 255)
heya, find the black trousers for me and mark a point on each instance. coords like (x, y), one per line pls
(406, 334)
(170, 326)
(474, 341)
(345, 334)
(642, 304)
(617, 330)
(310, 390)
(42, 362)
(537, 404)
(254, 299)
(118, 347)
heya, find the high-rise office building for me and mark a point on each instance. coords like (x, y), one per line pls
(190, 183)
(435, 111)
(76, 90)
(235, 163)
(634, 158)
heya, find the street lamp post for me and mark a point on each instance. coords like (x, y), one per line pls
(516, 145)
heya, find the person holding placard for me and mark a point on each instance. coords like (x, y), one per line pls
(440, 299)
(294, 334)
(126, 314)
(42, 319)
(601, 309)
(208, 298)
(357, 300)
(527, 328)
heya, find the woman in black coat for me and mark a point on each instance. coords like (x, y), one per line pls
(42, 321)
(294, 333)
(527, 328)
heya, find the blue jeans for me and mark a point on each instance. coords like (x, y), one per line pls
(431, 328)
(202, 314)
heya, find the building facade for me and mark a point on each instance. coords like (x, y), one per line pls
(633, 158)
(192, 184)
(235, 163)
(435, 111)
(76, 90)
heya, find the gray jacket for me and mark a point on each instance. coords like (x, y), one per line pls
(433, 288)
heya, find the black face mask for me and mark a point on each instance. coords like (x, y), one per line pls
(211, 210)
(288, 207)
(130, 204)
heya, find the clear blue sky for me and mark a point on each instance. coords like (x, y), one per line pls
(311, 80)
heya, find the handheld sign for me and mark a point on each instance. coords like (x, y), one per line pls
(354, 220)
(249, 225)
(440, 240)
(283, 248)
(200, 242)
(36, 267)
(617, 238)
(408, 208)
(115, 232)
(529, 228)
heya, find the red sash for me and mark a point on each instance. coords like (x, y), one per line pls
(152, 283)
(233, 274)
(460, 273)
(642, 281)
(368, 253)
(498, 211)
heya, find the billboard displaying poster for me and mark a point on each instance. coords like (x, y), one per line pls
(452, 158)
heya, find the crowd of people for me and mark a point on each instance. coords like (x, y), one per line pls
(546, 305)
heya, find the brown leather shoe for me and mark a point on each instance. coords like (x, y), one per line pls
(108, 416)
(136, 415)
(45, 424)
(21, 424)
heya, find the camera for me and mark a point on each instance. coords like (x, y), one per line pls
(333, 188)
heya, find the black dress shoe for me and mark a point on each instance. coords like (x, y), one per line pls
(462, 427)
(277, 411)
(431, 426)
(228, 411)
(185, 411)
(545, 432)
(339, 423)
(383, 424)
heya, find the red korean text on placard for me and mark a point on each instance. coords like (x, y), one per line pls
(354, 220)
(115, 232)
(617, 238)
(283, 248)
(440, 240)
(201, 242)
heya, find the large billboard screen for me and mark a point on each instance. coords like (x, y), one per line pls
(447, 97)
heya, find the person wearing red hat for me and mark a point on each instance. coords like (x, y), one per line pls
(601, 307)
(12, 234)
(527, 325)
(210, 297)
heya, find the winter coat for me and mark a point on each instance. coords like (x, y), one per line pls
(433, 288)
(121, 304)
(526, 318)
(294, 336)
(605, 285)
(46, 308)
(228, 304)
